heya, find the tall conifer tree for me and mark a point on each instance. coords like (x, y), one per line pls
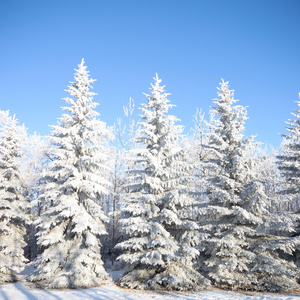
(161, 235)
(13, 219)
(238, 253)
(69, 230)
(290, 158)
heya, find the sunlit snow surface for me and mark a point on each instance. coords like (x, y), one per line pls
(22, 291)
(26, 291)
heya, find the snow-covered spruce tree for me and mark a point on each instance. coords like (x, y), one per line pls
(161, 235)
(237, 253)
(13, 218)
(280, 222)
(69, 230)
(288, 162)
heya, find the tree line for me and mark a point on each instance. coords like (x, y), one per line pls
(177, 212)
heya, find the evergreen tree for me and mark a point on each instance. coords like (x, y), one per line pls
(289, 160)
(288, 163)
(12, 202)
(238, 254)
(69, 230)
(281, 221)
(161, 235)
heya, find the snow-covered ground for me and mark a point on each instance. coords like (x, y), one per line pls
(27, 291)
(23, 291)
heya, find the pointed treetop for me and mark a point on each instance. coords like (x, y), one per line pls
(225, 94)
(82, 69)
(224, 83)
(157, 81)
(157, 88)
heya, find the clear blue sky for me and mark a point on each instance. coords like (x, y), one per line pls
(191, 44)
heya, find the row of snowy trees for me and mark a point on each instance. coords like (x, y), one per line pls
(180, 212)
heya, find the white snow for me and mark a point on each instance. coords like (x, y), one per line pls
(23, 290)
(26, 291)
